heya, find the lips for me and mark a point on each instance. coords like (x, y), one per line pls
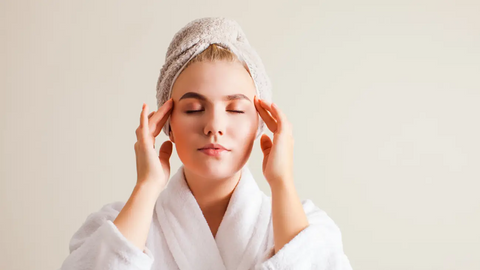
(213, 152)
(213, 146)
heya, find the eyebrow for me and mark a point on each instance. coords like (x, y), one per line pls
(203, 98)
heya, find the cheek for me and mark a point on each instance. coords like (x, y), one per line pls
(183, 128)
(244, 126)
(181, 121)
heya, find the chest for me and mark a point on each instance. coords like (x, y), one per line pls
(214, 224)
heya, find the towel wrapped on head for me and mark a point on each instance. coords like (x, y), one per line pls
(197, 36)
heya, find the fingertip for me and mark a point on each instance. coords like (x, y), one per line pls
(168, 103)
(144, 108)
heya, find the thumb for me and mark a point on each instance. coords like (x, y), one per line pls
(165, 154)
(265, 144)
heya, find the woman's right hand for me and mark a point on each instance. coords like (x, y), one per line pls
(152, 169)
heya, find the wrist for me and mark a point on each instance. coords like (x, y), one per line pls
(148, 187)
(282, 186)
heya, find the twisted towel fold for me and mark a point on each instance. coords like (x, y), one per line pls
(194, 38)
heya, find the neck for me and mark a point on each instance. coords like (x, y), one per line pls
(212, 195)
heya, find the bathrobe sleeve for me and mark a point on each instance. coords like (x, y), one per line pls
(98, 244)
(318, 246)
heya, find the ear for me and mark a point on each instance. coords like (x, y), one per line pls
(172, 138)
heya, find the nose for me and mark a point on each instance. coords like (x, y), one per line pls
(216, 121)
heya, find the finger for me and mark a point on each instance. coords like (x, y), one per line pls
(160, 125)
(165, 154)
(165, 151)
(143, 123)
(160, 114)
(266, 116)
(265, 144)
(150, 115)
(143, 117)
(280, 116)
(261, 110)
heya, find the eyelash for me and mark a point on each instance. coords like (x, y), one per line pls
(190, 112)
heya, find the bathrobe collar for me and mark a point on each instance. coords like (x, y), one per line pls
(240, 235)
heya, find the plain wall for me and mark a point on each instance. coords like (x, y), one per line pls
(383, 97)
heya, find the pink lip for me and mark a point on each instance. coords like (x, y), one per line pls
(213, 145)
(213, 152)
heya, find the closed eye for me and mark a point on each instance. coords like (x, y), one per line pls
(190, 112)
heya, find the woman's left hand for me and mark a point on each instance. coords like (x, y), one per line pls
(277, 155)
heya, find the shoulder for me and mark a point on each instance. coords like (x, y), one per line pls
(313, 212)
(322, 223)
(108, 211)
(317, 218)
(95, 220)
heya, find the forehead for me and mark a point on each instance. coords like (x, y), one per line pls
(218, 80)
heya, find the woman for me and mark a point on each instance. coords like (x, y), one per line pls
(214, 101)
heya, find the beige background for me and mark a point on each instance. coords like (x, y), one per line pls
(383, 96)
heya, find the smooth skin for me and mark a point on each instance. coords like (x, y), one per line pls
(215, 110)
(135, 218)
(288, 216)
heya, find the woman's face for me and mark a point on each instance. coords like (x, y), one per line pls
(203, 89)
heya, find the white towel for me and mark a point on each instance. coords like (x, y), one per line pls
(180, 238)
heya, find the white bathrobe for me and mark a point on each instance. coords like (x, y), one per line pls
(180, 238)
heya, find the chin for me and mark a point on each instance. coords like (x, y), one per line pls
(212, 168)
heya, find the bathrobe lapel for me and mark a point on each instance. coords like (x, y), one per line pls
(240, 235)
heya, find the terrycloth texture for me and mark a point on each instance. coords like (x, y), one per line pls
(194, 38)
(179, 236)
(98, 244)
